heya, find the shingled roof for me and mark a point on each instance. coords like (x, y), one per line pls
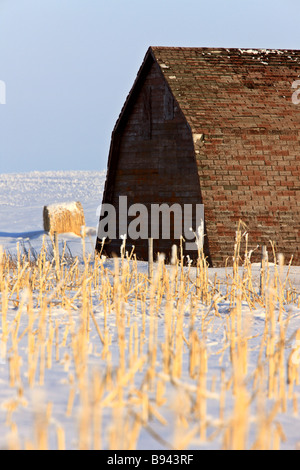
(245, 130)
(250, 89)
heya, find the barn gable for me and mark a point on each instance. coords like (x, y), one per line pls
(218, 127)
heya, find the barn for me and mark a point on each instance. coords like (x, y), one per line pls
(213, 127)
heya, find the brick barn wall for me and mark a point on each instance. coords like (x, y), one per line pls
(154, 159)
(249, 161)
(246, 175)
(246, 168)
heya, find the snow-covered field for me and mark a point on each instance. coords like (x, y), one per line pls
(164, 421)
(23, 196)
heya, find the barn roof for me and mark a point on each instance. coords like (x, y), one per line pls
(232, 89)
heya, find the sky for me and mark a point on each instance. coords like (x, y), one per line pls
(66, 66)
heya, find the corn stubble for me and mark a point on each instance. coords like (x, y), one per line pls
(151, 359)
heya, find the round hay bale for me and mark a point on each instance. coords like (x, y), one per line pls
(63, 218)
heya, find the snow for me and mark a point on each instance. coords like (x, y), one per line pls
(261, 51)
(22, 197)
(70, 206)
(249, 51)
